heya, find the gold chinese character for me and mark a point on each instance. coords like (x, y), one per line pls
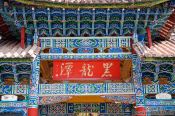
(66, 69)
(107, 67)
(87, 70)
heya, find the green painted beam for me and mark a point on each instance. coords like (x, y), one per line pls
(158, 59)
(15, 60)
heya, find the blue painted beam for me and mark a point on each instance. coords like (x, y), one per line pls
(160, 108)
(156, 88)
(15, 104)
(100, 43)
(155, 102)
(23, 89)
(85, 89)
(57, 56)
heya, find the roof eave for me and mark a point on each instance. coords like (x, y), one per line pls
(150, 3)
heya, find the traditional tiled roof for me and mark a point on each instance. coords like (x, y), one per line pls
(80, 4)
(12, 49)
(159, 49)
(94, 1)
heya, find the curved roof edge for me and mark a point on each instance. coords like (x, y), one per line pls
(94, 1)
(142, 4)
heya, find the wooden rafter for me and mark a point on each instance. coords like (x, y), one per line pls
(166, 30)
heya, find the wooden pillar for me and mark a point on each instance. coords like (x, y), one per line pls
(34, 19)
(137, 79)
(140, 111)
(149, 37)
(93, 22)
(136, 21)
(34, 88)
(33, 112)
(78, 19)
(49, 22)
(107, 22)
(23, 37)
(132, 49)
(122, 21)
(64, 22)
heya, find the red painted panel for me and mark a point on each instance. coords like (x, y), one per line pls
(140, 111)
(32, 111)
(86, 70)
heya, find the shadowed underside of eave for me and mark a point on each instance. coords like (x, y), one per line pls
(144, 4)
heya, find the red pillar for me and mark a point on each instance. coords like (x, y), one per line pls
(23, 37)
(149, 37)
(140, 111)
(33, 112)
(132, 49)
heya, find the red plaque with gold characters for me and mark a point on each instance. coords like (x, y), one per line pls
(86, 70)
